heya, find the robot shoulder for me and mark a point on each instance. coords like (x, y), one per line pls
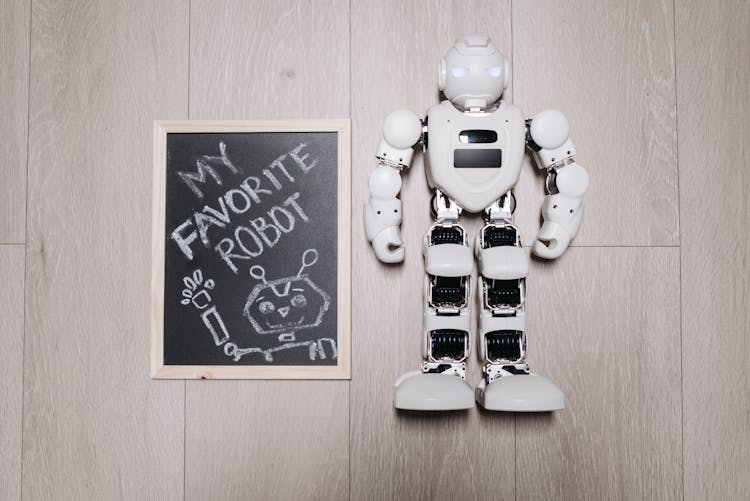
(511, 110)
(442, 109)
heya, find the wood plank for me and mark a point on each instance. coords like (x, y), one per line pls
(396, 49)
(713, 105)
(609, 335)
(11, 369)
(609, 66)
(14, 101)
(95, 425)
(275, 439)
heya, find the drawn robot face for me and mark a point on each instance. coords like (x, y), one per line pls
(288, 304)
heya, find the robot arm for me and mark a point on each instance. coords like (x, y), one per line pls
(548, 138)
(402, 129)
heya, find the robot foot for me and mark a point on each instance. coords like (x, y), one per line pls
(520, 393)
(419, 391)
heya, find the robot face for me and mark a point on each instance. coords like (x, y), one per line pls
(473, 73)
(288, 304)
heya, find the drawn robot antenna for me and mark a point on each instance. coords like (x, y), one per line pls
(305, 263)
(258, 273)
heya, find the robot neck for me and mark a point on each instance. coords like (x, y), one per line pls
(475, 105)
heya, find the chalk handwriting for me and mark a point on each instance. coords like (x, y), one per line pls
(249, 237)
(263, 233)
(204, 167)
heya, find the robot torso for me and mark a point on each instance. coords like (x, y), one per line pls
(474, 158)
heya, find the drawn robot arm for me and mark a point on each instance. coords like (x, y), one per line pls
(402, 130)
(547, 136)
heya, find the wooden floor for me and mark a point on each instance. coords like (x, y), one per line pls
(643, 323)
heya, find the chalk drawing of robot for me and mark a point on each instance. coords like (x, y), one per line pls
(285, 306)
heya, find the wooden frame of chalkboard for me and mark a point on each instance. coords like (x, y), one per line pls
(262, 195)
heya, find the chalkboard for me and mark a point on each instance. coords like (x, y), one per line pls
(251, 250)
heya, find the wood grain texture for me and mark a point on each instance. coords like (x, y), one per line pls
(604, 324)
(609, 66)
(262, 59)
(713, 70)
(11, 370)
(14, 100)
(268, 439)
(396, 48)
(95, 425)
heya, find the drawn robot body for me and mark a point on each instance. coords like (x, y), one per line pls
(474, 145)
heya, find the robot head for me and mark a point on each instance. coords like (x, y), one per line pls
(473, 73)
(288, 304)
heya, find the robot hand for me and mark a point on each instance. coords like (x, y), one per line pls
(383, 215)
(402, 129)
(562, 212)
(566, 182)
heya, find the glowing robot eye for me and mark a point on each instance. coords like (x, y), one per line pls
(495, 71)
(266, 307)
(459, 71)
(299, 301)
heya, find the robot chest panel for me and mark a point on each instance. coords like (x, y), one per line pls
(474, 158)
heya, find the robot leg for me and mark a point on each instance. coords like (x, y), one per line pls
(507, 384)
(440, 384)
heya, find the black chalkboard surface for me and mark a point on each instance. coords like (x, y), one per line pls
(251, 250)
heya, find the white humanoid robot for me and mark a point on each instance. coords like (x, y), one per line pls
(474, 144)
